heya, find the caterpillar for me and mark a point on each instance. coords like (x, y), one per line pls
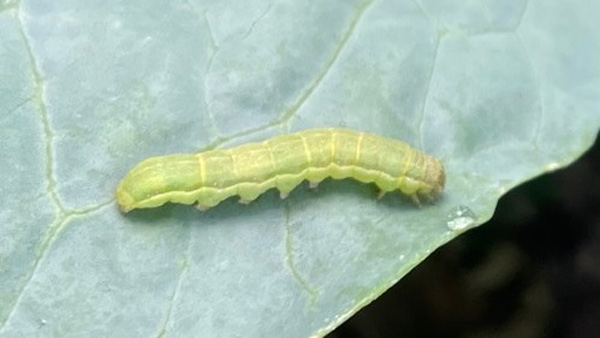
(281, 162)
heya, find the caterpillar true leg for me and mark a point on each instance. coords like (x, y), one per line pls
(415, 198)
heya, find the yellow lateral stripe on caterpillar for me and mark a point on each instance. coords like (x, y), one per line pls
(281, 162)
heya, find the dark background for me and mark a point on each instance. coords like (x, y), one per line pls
(532, 271)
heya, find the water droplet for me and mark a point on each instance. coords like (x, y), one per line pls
(460, 218)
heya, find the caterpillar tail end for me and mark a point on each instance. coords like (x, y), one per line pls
(124, 200)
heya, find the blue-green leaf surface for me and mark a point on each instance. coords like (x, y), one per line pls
(500, 90)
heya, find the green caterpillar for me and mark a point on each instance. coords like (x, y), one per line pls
(281, 162)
